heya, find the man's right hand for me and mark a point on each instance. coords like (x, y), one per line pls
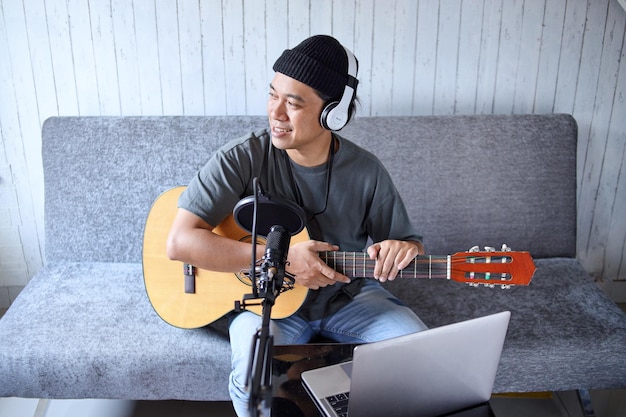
(309, 269)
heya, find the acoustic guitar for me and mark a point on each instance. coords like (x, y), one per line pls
(189, 297)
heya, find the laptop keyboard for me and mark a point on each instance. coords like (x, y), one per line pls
(339, 403)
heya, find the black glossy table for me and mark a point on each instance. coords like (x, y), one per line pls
(289, 361)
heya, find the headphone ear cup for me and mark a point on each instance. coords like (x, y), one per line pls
(336, 114)
(324, 117)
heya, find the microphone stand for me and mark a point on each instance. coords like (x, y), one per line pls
(259, 381)
(255, 211)
(260, 368)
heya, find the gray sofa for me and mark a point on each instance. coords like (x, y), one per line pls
(84, 328)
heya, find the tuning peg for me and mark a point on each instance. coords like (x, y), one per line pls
(474, 249)
(505, 248)
(489, 249)
(502, 286)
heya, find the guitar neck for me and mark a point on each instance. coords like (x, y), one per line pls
(359, 265)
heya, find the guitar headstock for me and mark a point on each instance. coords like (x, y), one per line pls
(492, 268)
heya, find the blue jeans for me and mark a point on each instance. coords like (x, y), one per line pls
(374, 314)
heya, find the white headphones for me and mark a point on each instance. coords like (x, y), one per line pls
(336, 114)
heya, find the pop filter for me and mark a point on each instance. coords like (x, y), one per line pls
(270, 212)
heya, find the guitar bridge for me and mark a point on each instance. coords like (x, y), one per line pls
(189, 272)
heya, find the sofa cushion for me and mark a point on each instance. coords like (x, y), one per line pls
(564, 332)
(466, 180)
(482, 179)
(87, 330)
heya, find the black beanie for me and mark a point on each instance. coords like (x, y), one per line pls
(319, 62)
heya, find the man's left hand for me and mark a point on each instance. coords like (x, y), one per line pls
(391, 256)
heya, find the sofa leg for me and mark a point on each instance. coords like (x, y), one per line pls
(42, 407)
(585, 403)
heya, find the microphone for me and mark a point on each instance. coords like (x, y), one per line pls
(261, 215)
(275, 258)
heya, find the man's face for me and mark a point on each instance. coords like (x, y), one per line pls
(294, 109)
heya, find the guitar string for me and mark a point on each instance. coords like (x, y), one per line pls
(437, 266)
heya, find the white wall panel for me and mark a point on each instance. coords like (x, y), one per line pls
(83, 58)
(40, 58)
(549, 60)
(298, 21)
(256, 71)
(403, 69)
(603, 150)
(276, 37)
(191, 59)
(488, 64)
(214, 72)
(146, 39)
(168, 49)
(363, 29)
(60, 42)
(343, 22)
(508, 64)
(381, 80)
(447, 58)
(105, 61)
(425, 57)
(528, 59)
(234, 56)
(126, 57)
(466, 75)
(320, 16)
(19, 119)
(615, 255)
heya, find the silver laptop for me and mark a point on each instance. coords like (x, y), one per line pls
(430, 373)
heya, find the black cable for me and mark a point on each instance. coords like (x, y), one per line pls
(254, 237)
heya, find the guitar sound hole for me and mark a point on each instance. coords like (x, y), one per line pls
(244, 275)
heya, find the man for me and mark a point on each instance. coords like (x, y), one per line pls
(347, 194)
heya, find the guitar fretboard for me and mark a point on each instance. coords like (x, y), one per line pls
(359, 265)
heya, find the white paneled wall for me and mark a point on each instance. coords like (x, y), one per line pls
(214, 57)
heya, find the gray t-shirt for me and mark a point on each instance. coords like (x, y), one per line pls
(360, 205)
